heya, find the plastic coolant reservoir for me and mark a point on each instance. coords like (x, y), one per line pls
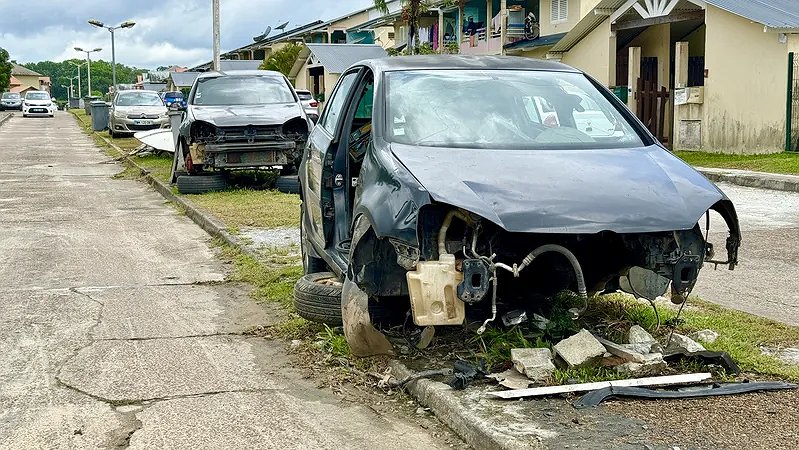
(433, 286)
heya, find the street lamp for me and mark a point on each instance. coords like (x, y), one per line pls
(78, 65)
(125, 24)
(88, 65)
(69, 95)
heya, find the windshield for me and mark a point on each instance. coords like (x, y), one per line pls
(139, 99)
(11, 95)
(242, 90)
(503, 109)
(37, 96)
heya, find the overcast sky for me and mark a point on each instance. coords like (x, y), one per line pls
(167, 31)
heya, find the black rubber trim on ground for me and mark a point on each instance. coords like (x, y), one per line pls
(594, 398)
(318, 302)
(290, 184)
(200, 184)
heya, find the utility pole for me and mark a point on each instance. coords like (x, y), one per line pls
(88, 65)
(216, 44)
(78, 65)
(125, 24)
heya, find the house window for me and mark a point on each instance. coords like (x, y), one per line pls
(559, 11)
(391, 35)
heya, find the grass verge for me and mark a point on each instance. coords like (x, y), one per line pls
(785, 163)
(251, 208)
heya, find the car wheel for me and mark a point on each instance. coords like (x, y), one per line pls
(317, 297)
(289, 184)
(200, 184)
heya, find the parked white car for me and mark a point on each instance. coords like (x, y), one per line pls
(309, 104)
(38, 103)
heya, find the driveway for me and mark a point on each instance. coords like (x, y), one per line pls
(766, 282)
(117, 330)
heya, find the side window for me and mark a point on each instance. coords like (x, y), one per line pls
(335, 109)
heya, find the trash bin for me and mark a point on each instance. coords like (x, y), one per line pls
(621, 92)
(87, 101)
(74, 103)
(99, 113)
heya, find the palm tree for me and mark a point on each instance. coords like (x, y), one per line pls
(412, 10)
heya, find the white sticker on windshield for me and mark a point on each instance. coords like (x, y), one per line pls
(400, 119)
(399, 131)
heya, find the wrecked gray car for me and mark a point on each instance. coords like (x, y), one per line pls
(237, 120)
(443, 185)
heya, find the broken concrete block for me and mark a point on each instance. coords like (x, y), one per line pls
(707, 336)
(680, 342)
(642, 348)
(535, 363)
(512, 379)
(653, 365)
(578, 350)
(638, 335)
(622, 352)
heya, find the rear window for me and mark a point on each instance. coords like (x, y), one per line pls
(305, 95)
(242, 90)
(174, 95)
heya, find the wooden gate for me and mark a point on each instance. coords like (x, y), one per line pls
(650, 107)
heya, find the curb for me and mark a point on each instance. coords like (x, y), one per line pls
(6, 118)
(761, 180)
(435, 395)
(207, 222)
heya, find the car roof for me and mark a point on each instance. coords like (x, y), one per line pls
(421, 62)
(240, 73)
(128, 91)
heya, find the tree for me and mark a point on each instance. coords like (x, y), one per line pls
(60, 73)
(5, 70)
(282, 60)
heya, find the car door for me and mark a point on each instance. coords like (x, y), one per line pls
(317, 164)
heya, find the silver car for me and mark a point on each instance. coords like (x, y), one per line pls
(10, 100)
(309, 104)
(136, 110)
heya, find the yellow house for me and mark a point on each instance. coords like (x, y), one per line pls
(708, 75)
(319, 66)
(24, 80)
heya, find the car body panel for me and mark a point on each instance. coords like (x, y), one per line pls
(619, 190)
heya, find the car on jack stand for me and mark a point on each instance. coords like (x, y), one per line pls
(417, 198)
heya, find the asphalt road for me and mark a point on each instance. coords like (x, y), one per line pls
(766, 282)
(115, 331)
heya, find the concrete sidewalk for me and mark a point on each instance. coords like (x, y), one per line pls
(748, 178)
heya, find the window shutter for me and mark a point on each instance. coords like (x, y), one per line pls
(559, 10)
(554, 10)
(564, 10)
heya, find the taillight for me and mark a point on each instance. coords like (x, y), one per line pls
(314, 104)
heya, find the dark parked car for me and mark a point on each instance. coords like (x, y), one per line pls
(436, 179)
(10, 100)
(239, 120)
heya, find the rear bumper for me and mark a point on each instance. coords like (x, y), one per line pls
(246, 155)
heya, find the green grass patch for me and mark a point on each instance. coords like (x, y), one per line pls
(740, 334)
(332, 342)
(159, 166)
(273, 283)
(589, 374)
(251, 208)
(787, 163)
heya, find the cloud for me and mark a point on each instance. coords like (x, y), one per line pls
(167, 31)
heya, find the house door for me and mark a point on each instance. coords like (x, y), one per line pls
(651, 99)
(792, 127)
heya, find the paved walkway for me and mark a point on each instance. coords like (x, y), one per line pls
(116, 333)
(766, 282)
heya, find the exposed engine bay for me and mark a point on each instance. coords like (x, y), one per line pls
(472, 262)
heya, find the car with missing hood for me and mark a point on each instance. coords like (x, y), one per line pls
(245, 119)
(434, 185)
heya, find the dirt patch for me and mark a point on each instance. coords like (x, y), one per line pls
(754, 421)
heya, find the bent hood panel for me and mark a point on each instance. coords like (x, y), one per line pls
(236, 116)
(566, 191)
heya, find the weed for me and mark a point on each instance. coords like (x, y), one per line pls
(130, 173)
(587, 374)
(250, 208)
(272, 284)
(495, 344)
(333, 343)
(775, 162)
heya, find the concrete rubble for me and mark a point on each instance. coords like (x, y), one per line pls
(579, 350)
(535, 363)
(707, 336)
(641, 341)
(680, 342)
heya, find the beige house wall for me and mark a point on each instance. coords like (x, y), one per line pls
(27, 81)
(301, 82)
(575, 12)
(538, 52)
(593, 55)
(745, 92)
(656, 42)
